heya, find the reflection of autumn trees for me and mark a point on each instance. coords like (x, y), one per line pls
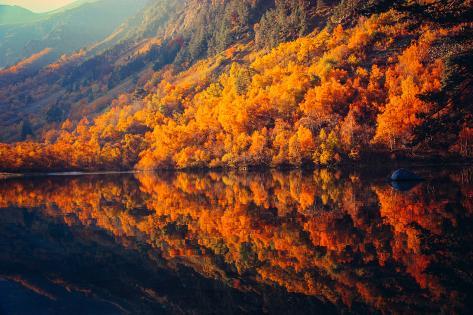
(423, 215)
(321, 234)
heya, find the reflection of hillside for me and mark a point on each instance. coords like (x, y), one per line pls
(55, 261)
(322, 234)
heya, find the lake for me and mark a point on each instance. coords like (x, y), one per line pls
(292, 242)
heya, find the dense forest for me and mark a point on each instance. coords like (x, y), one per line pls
(198, 84)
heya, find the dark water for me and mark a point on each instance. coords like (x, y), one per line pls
(318, 242)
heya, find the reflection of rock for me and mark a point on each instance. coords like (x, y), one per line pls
(404, 175)
(404, 185)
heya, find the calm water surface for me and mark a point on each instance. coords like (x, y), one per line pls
(317, 242)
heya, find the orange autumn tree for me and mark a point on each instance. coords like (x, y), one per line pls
(328, 97)
(412, 75)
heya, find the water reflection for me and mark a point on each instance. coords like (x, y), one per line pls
(273, 242)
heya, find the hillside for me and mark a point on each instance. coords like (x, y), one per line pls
(245, 83)
(176, 33)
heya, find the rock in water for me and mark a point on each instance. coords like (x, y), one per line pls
(404, 175)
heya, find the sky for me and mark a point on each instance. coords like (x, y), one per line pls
(38, 5)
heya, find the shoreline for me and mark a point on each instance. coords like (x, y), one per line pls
(344, 166)
(6, 175)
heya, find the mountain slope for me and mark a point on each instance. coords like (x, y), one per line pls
(165, 32)
(256, 82)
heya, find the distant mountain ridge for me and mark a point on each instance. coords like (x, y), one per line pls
(65, 30)
(13, 14)
(72, 5)
(16, 15)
